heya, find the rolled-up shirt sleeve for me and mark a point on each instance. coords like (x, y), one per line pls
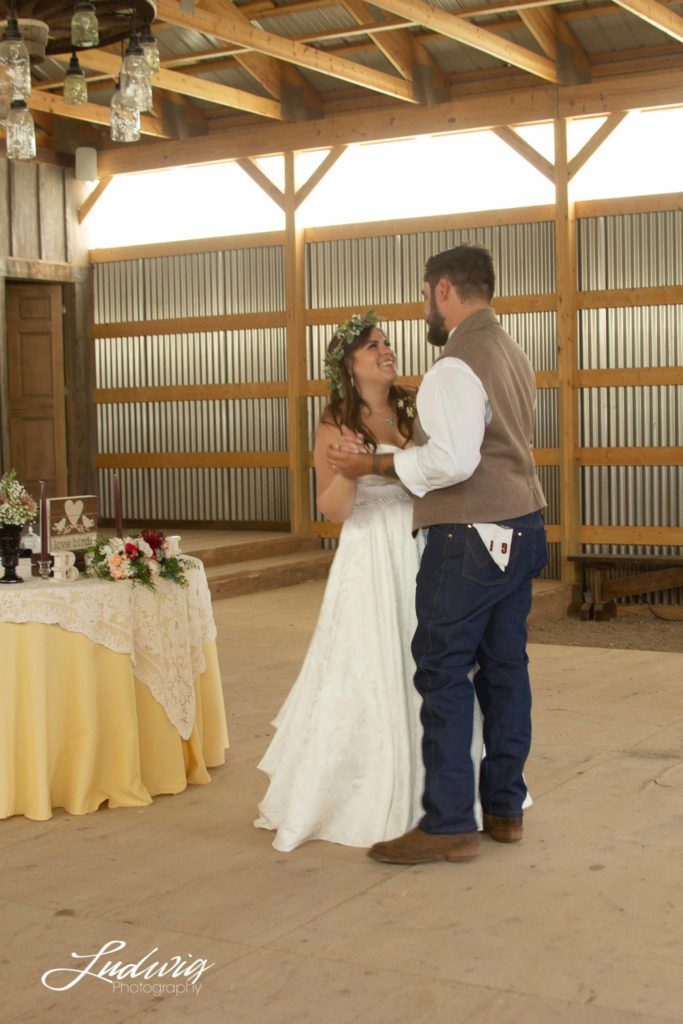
(454, 409)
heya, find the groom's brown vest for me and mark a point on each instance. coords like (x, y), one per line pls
(504, 485)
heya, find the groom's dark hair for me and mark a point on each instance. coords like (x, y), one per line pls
(469, 268)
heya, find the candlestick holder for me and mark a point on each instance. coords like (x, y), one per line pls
(44, 569)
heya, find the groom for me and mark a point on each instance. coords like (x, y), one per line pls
(477, 495)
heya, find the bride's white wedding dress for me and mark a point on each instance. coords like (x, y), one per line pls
(345, 762)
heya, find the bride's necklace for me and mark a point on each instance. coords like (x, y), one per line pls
(391, 420)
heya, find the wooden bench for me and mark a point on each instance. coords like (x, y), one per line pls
(653, 572)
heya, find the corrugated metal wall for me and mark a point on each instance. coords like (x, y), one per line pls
(613, 252)
(194, 285)
(631, 251)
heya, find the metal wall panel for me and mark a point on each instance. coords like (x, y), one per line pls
(198, 495)
(637, 250)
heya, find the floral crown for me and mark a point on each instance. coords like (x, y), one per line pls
(344, 336)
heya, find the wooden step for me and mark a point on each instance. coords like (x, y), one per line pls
(250, 550)
(248, 577)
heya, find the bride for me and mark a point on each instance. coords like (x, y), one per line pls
(345, 763)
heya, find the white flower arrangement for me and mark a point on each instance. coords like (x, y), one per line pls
(17, 507)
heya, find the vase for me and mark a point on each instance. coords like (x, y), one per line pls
(10, 539)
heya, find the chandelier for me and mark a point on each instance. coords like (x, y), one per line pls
(33, 30)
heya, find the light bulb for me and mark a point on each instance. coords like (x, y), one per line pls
(21, 134)
(84, 28)
(15, 65)
(75, 86)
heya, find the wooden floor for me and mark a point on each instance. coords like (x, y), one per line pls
(580, 924)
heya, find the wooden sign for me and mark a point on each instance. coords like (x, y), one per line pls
(72, 522)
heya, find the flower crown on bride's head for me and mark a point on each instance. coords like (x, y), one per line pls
(346, 333)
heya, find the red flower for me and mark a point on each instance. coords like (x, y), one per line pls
(132, 551)
(155, 539)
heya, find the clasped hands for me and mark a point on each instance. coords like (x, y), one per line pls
(350, 457)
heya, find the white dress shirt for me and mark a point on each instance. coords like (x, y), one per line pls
(454, 410)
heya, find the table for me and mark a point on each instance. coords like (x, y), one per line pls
(108, 693)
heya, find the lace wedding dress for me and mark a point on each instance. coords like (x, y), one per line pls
(345, 763)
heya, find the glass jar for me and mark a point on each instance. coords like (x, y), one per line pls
(150, 49)
(15, 64)
(21, 133)
(84, 28)
(75, 86)
(136, 76)
(125, 118)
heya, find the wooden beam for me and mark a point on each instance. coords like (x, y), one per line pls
(668, 536)
(657, 14)
(189, 85)
(188, 325)
(525, 150)
(626, 298)
(630, 456)
(631, 377)
(220, 243)
(263, 181)
(319, 173)
(191, 393)
(297, 412)
(93, 113)
(559, 43)
(493, 109)
(85, 207)
(567, 358)
(478, 38)
(595, 141)
(199, 460)
(285, 49)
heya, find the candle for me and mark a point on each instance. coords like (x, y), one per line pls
(118, 516)
(43, 522)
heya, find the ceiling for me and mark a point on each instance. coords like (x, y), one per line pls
(260, 76)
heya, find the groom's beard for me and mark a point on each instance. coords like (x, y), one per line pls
(437, 334)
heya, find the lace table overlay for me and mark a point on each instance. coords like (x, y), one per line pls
(162, 631)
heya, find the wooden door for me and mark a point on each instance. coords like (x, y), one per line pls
(35, 370)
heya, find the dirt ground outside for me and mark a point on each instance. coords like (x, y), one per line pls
(638, 628)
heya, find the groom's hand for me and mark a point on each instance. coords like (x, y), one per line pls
(349, 462)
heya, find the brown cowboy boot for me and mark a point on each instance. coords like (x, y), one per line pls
(418, 847)
(504, 830)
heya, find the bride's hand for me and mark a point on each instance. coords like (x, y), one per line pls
(349, 463)
(351, 442)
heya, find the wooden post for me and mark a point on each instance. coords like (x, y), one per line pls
(297, 415)
(567, 362)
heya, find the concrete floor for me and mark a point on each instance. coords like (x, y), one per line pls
(580, 924)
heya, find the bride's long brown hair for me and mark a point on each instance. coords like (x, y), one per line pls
(345, 405)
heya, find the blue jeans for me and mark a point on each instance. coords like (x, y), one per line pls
(471, 613)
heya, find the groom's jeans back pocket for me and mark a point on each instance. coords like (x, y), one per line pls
(479, 567)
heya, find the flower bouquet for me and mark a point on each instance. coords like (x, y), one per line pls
(16, 504)
(140, 558)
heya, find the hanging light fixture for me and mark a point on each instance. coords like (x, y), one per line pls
(15, 64)
(75, 85)
(20, 130)
(150, 49)
(85, 30)
(136, 76)
(125, 117)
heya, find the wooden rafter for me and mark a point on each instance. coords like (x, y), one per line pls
(318, 174)
(463, 31)
(188, 85)
(283, 83)
(559, 43)
(93, 113)
(656, 14)
(85, 207)
(285, 49)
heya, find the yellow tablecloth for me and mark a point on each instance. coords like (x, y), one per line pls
(77, 729)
